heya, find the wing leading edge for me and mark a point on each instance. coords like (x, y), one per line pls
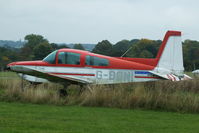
(49, 76)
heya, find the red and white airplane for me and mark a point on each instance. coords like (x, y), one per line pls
(71, 66)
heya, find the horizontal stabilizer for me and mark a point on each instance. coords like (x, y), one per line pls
(171, 77)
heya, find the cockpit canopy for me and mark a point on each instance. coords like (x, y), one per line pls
(74, 58)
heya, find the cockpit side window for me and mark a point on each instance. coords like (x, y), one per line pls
(96, 61)
(50, 58)
(69, 58)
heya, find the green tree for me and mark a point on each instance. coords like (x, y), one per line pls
(191, 54)
(78, 46)
(7, 55)
(26, 53)
(121, 47)
(144, 48)
(32, 41)
(104, 47)
(42, 50)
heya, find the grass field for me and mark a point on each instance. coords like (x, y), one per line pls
(32, 118)
(47, 117)
(8, 74)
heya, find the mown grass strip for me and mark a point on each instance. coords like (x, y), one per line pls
(23, 118)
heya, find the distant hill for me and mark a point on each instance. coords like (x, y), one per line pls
(19, 44)
(12, 44)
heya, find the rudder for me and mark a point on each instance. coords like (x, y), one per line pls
(170, 58)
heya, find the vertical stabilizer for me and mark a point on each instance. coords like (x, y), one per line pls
(170, 58)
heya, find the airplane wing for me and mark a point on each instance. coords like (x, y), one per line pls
(50, 76)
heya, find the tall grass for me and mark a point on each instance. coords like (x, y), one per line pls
(43, 93)
(162, 95)
(180, 96)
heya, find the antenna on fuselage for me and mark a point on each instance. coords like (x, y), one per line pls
(126, 51)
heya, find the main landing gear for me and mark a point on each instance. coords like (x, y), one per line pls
(64, 91)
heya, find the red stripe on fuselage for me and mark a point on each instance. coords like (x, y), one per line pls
(75, 74)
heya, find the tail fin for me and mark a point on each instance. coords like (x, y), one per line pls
(168, 63)
(169, 57)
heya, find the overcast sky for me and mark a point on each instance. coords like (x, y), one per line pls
(91, 21)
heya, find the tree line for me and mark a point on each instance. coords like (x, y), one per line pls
(37, 47)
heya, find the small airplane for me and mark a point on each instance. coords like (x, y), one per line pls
(71, 66)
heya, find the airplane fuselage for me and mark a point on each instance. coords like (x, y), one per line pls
(92, 76)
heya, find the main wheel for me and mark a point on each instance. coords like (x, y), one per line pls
(63, 92)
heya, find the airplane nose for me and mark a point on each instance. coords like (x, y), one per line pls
(10, 65)
(20, 66)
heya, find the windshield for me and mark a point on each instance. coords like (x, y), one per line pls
(50, 58)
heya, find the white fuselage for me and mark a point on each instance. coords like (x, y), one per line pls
(93, 76)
